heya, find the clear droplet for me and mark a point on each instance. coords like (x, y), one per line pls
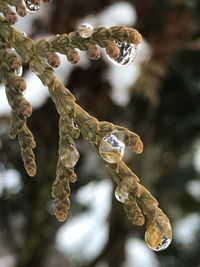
(127, 54)
(31, 8)
(85, 30)
(121, 192)
(19, 71)
(24, 34)
(69, 156)
(112, 148)
(157, 241)
(164, 243)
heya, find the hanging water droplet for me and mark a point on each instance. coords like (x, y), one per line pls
(157, 241)
(164, 243)
(24, 34)
(31, 8)
(19, 71)
(112, 148)
(85, 30)
(127, 54)
(69, 156)
(121, 192)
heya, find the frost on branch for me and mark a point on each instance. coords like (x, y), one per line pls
(109, 140)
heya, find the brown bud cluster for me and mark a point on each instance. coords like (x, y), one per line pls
(135, 37)
(21, 10)
(16, 64)
(11, 17)
(54, 60)
(73, 56)
(26, 110)
(19, 83)
(93, 52)
(112, 50)
(8, 45)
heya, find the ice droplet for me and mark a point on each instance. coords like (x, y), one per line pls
(69, 156)
(112, 148)
(31, 8)
(157, 244)
(127, 54)
(19, 71)
(121, 192)
(85, 30)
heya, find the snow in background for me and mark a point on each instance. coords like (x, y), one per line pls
(121, 13)
(139, 255)
(10, 180)
(7, 261)
(84, 236)
(186, 230)
(193, 188)
(121, 78)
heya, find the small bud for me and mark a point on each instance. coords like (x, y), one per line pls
(8, 45)
(21, 10)
(31, 169)
(134, 37)
(16, 64)
(73, 56)
(26, 110)
(73, 178)
(112, 50)
(20, 83)
(54, 60)
(93, 52)
(11, 17)
(61, 215)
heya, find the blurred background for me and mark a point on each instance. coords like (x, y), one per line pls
(157, 96)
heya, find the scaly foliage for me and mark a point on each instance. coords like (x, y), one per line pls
(42, 57)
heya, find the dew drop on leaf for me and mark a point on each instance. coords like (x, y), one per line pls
(85, 30)
(19, 71)
(157, 242)
(69, 156)
(127, 54)
(24, 34)
(112, 148)
(31, 8)
(121, 192)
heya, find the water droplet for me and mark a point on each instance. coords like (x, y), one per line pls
(24, 34)
(121, 192)
(69, 156)
(85, 30)
(164, 243)
(31, 8)
(127, 54)
(19, 71)
(112, 148)
(157, 241)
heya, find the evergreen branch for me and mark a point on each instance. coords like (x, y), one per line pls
(41, 56)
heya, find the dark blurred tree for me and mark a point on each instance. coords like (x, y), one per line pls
(163, 109)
